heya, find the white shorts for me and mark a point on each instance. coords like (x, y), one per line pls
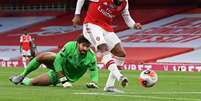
(26, 53)
(97, 36)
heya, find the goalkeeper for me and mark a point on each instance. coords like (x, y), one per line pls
(66, 67)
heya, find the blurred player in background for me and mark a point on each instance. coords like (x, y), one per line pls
(66, 67)
(98, 30)
(25, 47)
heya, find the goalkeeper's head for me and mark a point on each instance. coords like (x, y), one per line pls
(83, 44)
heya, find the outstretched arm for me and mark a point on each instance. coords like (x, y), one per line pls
(93, 75)
(76, 20)
(128, 19)
(79, 6)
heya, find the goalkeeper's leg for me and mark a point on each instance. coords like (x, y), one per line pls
(44, 79)
(46, 58)
(41, 80)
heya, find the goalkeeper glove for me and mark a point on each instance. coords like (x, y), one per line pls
(64, 82)
(67, 85)
(92, 85)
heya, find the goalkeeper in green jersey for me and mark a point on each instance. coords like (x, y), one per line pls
(66, 67)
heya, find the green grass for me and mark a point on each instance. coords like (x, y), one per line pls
(172, 86)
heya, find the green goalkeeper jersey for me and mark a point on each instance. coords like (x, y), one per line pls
(73, 64)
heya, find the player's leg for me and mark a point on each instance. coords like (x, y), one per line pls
(110, 87)
(44, 79)
(119, 53)
(41, 80)
(24, 61)
(25, 57)
(95, 35)
(117, 50)
(46, 58)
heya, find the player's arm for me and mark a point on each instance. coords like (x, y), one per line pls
(93, 74)
(58, 68)
(76, 20)
(59, 60)
(59, 72)
(128, 19)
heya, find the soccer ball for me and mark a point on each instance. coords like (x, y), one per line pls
(148, 78)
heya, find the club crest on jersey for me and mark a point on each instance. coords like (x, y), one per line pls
(105, 3)
(111, 6)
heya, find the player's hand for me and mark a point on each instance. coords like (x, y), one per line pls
(92, 85)
(138, 26)
(76, 20)
(67, 85)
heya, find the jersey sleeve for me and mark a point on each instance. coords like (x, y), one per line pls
(79, 6)
(93, 70)
(127, 18)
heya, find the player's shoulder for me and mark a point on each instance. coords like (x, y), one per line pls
(91, 53)
(70, 43)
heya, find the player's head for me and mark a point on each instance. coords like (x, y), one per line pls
(83, 44)
(25, 31)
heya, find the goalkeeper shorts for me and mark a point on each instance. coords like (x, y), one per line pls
(53, 77)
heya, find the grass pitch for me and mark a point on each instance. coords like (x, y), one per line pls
(172, 86)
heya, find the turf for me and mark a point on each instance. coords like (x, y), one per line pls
(172, 86)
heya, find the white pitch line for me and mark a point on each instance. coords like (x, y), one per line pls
(138, 96)
(161, 93)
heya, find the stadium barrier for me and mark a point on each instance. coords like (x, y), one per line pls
(184, 67)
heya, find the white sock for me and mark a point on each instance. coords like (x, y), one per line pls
(110, 81)
(110, 64)
(24, 62)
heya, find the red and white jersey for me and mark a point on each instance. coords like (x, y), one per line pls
(102, 12)
(25, 41)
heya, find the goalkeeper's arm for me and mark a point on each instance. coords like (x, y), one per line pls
(59, 71)
(94, 76)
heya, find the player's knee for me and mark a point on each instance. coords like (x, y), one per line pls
(122, 54)
(118, 51)
(102, 48)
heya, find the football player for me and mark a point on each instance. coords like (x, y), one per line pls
(66, 67)
(98, 30)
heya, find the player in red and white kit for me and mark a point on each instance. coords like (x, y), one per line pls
(98, 30)
(25, 47)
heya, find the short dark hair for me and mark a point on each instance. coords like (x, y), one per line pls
(82, 39)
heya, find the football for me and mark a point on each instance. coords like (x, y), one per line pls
(148, 78)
